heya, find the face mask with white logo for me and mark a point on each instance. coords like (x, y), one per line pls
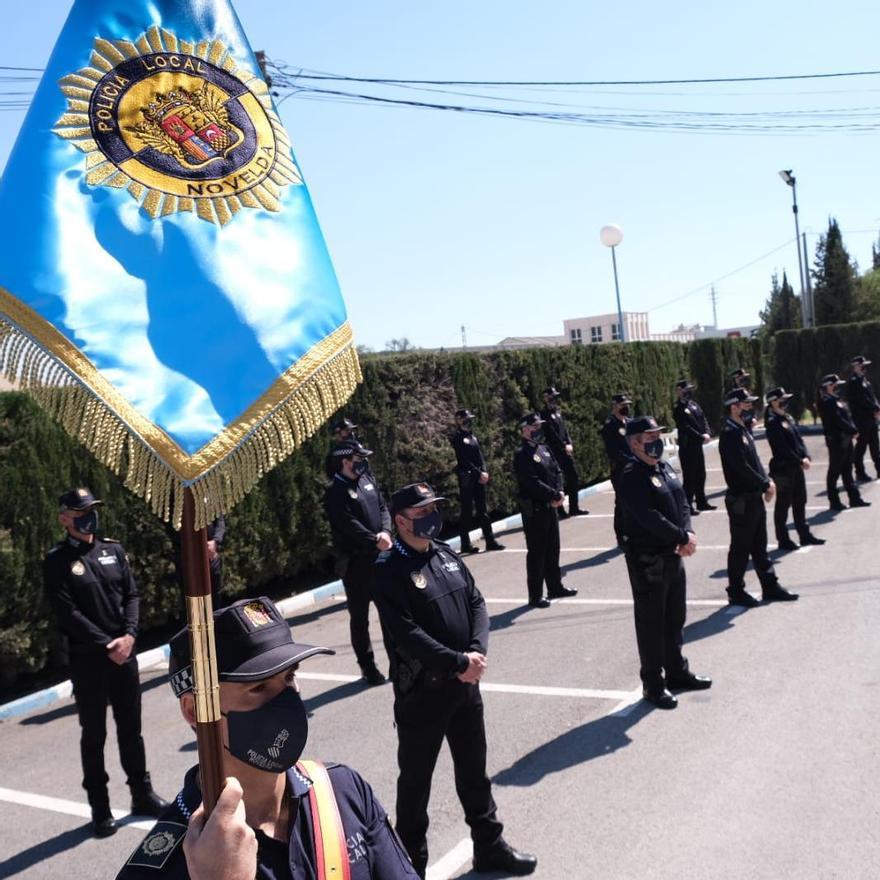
(271, 737)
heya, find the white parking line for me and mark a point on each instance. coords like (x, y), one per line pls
(69, 808)
(449, 864)
(708, 603)
(606, 549)
(494, 687)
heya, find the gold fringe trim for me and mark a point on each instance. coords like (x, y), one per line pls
(224, 470)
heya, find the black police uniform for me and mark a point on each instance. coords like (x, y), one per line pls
(865, 408)
(839, 431)
(613, 434)
(95, 598)
(692, 425)
(657, 520)
(540, 482)
(747, 481)
(216, 531)
(556, 437)
(786, 469)
(374, 852)
(357, 513)
(472, 493)
(432, 614)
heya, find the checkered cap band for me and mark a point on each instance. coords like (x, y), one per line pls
(182, 681)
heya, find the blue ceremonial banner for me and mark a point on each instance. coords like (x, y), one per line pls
(165, 290)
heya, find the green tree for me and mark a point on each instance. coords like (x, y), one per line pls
(782, 311)
(868, 296)
(875, 255)
(834, 278)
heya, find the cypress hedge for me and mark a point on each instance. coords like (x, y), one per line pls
(277, 539)
(801, 358)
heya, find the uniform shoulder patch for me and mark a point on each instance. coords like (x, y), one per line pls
(157, 847)
(111, 540)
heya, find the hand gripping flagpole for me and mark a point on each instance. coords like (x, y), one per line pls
(200, 622)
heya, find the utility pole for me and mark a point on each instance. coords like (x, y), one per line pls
(809, 286)
(463, 337)
(263, 61)
(714, 297)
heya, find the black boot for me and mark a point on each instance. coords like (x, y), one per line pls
(103, 823)
(145, 801)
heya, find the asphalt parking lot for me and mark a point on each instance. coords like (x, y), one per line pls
(773, 773)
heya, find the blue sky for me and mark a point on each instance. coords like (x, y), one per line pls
(435, 220)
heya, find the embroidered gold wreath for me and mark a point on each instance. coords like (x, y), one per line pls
(180, 125)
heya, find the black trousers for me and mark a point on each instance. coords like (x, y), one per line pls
(619, 532)
(472, 494)
(868, 439)
(693, 472)
(572, 482)
(97, 683)
(791, 492)
(541, 529)
(748, 538)
(358, 583)
(840, 464)
(424, 718)
(659, 587)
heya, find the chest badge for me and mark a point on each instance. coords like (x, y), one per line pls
(419, 580)
(786, 426)
(745, 440)
(352, 493)
(622, 431)
(466, 441)
(656, 481)
(536, 457)
(78, 568)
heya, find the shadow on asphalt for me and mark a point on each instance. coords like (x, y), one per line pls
(44, 850)
(599, 559)
(507, 618)
(317, 614)
(70, 708)
(718, 621)
(340, 692)
(595, 739)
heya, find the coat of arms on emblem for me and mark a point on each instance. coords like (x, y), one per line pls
(255, 612)
(180, 125)
(193, 127)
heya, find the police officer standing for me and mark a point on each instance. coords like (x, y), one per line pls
(559, 441)
(790, 460)
(839, 433)
(613, 434)
(865, 412)
(437, 633)
(748, 487)
(657, 520)
(342, 430)
(693, 433)
(539, 482)
(739, 378)
(277, 816)
(90, 585)
(360, 526)
(472, 478)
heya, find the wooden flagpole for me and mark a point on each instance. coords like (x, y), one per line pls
(200, 621)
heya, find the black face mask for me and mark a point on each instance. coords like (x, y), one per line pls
(688, 395)
(272, 737)
(537, 436)
(360, 467)
(748, 416)
(654, 448)
(467, 424)
(429, 526)
(87, 524)
(624, 410)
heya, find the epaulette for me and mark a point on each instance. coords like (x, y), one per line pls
(56, 548)
(111, 540)
(158, 846)
(628, 467)
(384, 556)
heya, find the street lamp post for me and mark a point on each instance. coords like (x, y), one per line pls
(806, 298)
(611, 236)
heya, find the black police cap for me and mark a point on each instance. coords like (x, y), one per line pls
(623, 397)
(414, 495)
(343, 425)
(738, 395)
(832, 379)
(740, 373)
(777, 394)
(531, 420)
(348, 448)
(551, 392)
(77, 499)
(464, 414)
(685, 384)
(253, 642)
(643, 425)
(859, 361)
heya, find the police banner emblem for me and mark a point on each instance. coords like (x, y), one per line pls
(165, 289)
